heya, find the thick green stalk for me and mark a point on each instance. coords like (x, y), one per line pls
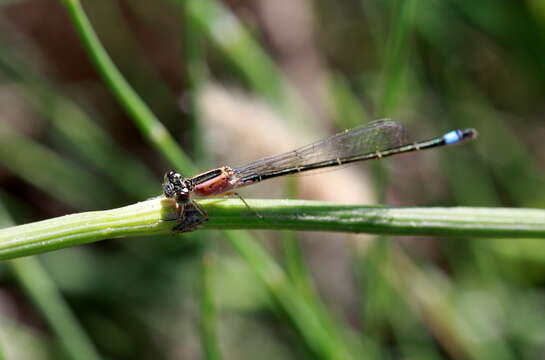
(152, 217)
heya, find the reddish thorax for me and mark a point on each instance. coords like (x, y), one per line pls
(217, 185)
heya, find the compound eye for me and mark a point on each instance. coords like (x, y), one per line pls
(168, 175)
(169, 191)
(173, 177)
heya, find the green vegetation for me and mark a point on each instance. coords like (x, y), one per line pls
(80, 137)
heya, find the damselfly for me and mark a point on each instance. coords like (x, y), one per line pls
(376, 140)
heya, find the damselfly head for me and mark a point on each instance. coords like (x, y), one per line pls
(175, 186)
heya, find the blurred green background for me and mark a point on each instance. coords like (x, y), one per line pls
(239, 79)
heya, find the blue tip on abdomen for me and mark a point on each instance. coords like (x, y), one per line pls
(452, 137)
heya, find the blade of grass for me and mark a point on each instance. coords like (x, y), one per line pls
(446, 312)
(301, 280)
(300, 277)
(145, 120)
(511, 23)
(377, 311)
(347, 110)
(47, 299)
(294, 263)
(43, 292)
(386, 311)
(51, 173)
(518, 158)
(396, 55)
(133, 56)
(89, 140)
(208, 316)
(325, 344)
(517, 174)
(196, 70)
(375, 300)
(240, 48)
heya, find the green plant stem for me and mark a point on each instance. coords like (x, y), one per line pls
(38, 237)
(208, 312)
(45, 295)
(322, 216)
(148, 217)
(324, 343)
(397, 48)
(139, 112)
(49, 301)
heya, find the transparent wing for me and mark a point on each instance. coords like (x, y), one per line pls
(378, 135)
